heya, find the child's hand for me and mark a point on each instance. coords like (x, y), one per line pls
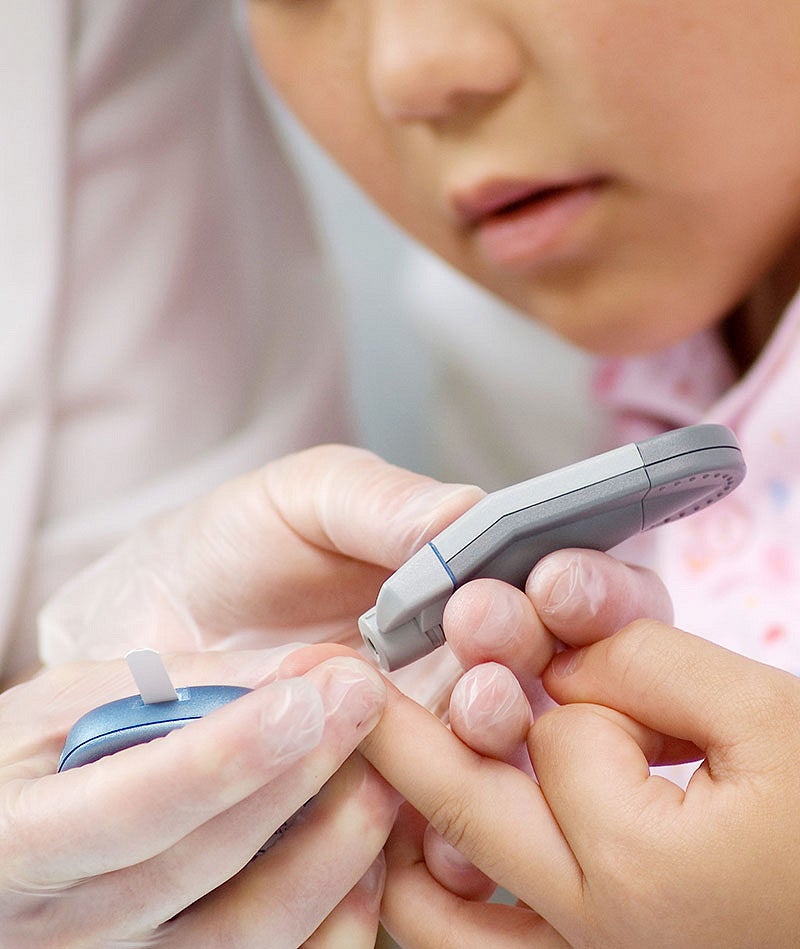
(294, 551)
(605, 853)
(573, 597)
(107, 853)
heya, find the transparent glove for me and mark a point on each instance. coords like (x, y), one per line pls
(292, 552)
(154, 844)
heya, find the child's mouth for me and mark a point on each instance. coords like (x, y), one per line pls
(520, 226)
(537, 197)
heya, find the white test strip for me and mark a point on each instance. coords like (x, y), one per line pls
(151, 676)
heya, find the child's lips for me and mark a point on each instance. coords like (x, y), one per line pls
(518, 225)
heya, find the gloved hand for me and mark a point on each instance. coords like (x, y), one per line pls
(292, 552)
(154, 843)
(295, 551)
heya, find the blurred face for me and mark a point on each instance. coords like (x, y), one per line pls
(626, 171)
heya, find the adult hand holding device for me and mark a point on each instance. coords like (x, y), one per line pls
(291, 552)
(604, 852)
(108, 853)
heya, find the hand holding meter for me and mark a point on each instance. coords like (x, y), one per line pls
(157, 710)
(595, 504)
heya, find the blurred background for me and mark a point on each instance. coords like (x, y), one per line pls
(445, 378)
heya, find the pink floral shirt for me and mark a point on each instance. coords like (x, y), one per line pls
(734, 569)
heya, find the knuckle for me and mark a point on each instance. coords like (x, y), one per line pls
(454, 819)
(771, 704)
(638, 635)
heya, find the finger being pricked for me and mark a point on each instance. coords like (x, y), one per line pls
(494, 814)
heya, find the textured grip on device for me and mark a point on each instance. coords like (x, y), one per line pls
(675, 494)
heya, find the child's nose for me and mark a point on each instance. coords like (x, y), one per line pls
(431, 58)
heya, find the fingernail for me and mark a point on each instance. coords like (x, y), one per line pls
(293, 721)
(566, 662)
(351, 690)
(437, 851)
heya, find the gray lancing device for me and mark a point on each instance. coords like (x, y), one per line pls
(594, 504)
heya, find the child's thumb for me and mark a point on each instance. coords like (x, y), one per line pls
(676, 684)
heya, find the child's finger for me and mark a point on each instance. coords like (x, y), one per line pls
(453, 870)
(420, 913)
(493, 813)
(490, 713)
(585, 595)
(592, 764)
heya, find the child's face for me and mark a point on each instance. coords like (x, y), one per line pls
(624, 170)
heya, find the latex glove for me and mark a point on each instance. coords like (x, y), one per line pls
(294, 551)
(108, 853)
(606, 853)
